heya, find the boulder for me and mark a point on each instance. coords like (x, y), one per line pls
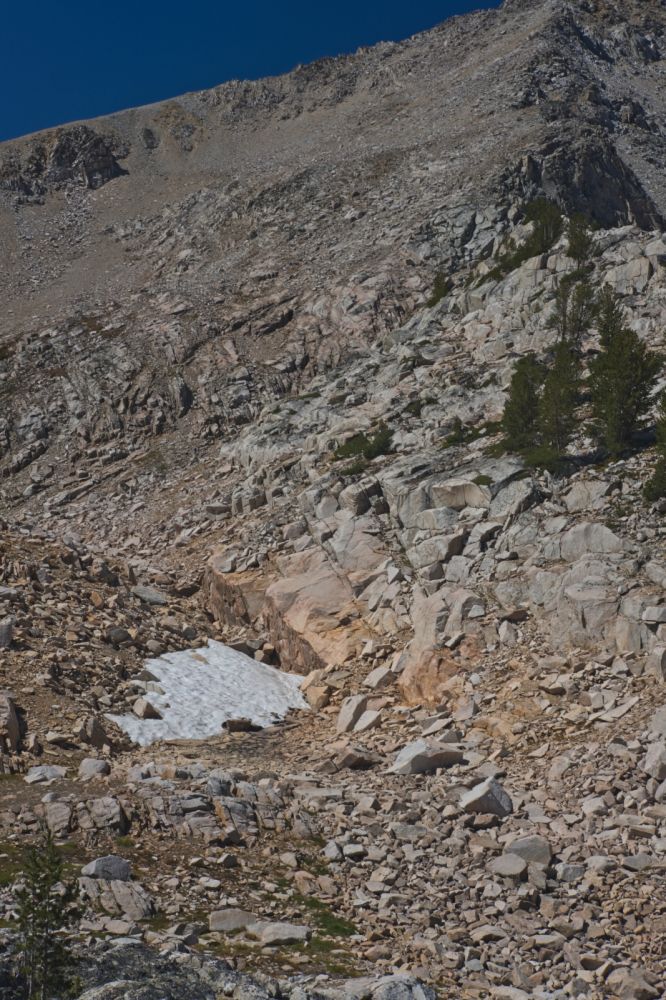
(150, 596)
(109, 867)
(6, 633)
(656, 663)
(586, 538)
(585, 494)
(90, 768)
(143, 709)
(44, 773)
(655, 761)
(508, 866)
(630, 984)
(425, 756)
(351, 711)
(533, 848)
(487, 797)
(279, 934)
(231, 919)
(460, 493)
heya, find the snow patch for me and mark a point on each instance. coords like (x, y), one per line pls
(202, 688)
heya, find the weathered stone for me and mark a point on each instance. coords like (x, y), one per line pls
(231, 919)
(655, 761)
(91, 768)
(110, 867)
(145, 710)
(586, 538)
(45, 772)
(150, 596)
(508, 866)
(276, 935)
(487, 797)
(424, 756)
(351, 711)
(533, 849)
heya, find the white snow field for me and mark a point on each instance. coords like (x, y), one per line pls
(205, 687)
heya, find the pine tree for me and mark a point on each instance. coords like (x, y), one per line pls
(580, 243)
(558, 402)
(45, 910)
(610, 315)
(547, 221)
(575, 309)
(519, 421)
(622, 377)
(655, 488)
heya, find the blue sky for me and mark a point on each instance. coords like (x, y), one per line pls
(69, 59)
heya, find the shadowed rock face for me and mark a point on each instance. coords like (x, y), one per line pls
(74, 155)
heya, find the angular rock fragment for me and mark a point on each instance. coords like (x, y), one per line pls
(487, 797)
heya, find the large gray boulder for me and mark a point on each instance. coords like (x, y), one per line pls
(109, 867)
(425, 756)
(586, 538)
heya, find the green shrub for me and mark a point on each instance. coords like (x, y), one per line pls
(440, 289)
(655, 488)
(622, 377)
(575, 310)
(581, 244)
(362, 446)
(610, 315)
(547, 229)
(45, 910)
(557, 406)
(548, 225)
(521, 411)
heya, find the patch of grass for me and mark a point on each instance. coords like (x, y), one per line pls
(125, 842)
(336, 961)
(483, 480)
(159, 922)
(10, 776)
(323, 917)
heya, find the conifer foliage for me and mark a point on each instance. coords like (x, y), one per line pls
(622, 377)
(580, 240)
(521, 413)
(540, 416)
(557, 406)
(45, 908)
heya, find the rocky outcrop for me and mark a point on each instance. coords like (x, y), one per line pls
(74, 155)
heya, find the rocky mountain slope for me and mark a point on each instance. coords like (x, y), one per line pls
(254, 352)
